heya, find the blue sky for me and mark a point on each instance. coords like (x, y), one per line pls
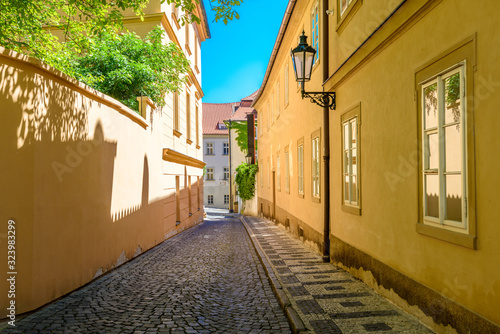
(235, 59)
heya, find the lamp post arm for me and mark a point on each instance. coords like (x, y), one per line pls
(323, 99)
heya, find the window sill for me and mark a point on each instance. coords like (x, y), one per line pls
(345, 17)
(225, 153)
(177, 133)
(209, 154)
(316, 199)
(198, 147)
(301, 195)
(176, 21)
(351, 209)
(188, 49)
(210, 180)
(189, 141)
(456, 238)
(196, 69)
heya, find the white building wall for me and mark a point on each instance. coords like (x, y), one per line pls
(218, 187)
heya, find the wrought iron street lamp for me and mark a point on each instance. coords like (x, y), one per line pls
(303, 61)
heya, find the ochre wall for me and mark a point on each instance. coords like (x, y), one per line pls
(297, 119)
(383, 82)
(84, 180)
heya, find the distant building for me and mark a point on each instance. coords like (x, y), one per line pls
(221, 154)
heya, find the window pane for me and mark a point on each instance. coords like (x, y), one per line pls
(452, 96)
(432, 151)
(453, 147)
(346, 136)
(354, 169)
(354, 135)
(346, 162)
(432, 196)
(354, 190)
(430, 106)
(454, 197)
(347, 198)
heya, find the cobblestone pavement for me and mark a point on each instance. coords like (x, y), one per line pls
(207, 279)
(327, 299)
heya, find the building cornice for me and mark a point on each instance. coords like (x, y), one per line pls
(179, 158)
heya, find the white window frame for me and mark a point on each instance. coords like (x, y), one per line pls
(210, 174)
(278, 172)
(210, 148)
(225, 148)
(287, 91)
(315, 17)
(226, 173)
(226, 199)
(343, 7)
(300, 167)
(315, 166)
(210, 199)
(349, 155)
(277, 100)
(287, 170)
(439, 81)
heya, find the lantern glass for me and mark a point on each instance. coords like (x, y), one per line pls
(303, 60)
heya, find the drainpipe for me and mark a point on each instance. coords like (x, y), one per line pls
(326, 141)
(231, 205)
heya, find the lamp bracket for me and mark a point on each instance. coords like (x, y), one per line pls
(323, 99)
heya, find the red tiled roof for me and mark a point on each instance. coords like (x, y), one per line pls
(215, 113)
(241, 113)
(251, 97)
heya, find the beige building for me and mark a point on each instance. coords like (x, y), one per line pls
(88, 183)
(411, 182)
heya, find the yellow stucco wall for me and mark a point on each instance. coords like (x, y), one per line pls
(384, 83)
(297, 119)
(84, 180)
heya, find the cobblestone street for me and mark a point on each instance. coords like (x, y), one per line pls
(205, 280)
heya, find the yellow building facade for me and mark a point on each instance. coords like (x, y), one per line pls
(90, 183)
(412, 181)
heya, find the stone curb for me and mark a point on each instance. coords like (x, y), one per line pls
(296, 324)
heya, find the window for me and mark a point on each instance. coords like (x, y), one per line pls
(210, 149)
(226, 173)
(176, 111)
(196, 67)
(277, 99)
(225, 149)
(350, 161)
(261, 176)
(446, 134)
(188, 117)
(443, 150)
(197, 120)
(188, 49)
(343, 6)
(315, 30)
(210, 199)
(268, 116)
(278, 172)
(286, 85)
(210, 174)
(300, 166)
(268, 174)
(315, 143)
(272, 108)
(226, 199)
(287, 170)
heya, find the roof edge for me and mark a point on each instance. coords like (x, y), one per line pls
(277, 44)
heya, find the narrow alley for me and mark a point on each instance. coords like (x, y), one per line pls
(210, 279)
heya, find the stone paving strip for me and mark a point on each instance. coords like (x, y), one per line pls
(326, 298)
(207, 279)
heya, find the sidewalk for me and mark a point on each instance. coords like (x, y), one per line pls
(318, 297)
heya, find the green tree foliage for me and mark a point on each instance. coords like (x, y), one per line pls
(245, 179)
(241, 133)
(126, 66)
(224, 10)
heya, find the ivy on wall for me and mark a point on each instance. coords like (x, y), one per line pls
(245, 179)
